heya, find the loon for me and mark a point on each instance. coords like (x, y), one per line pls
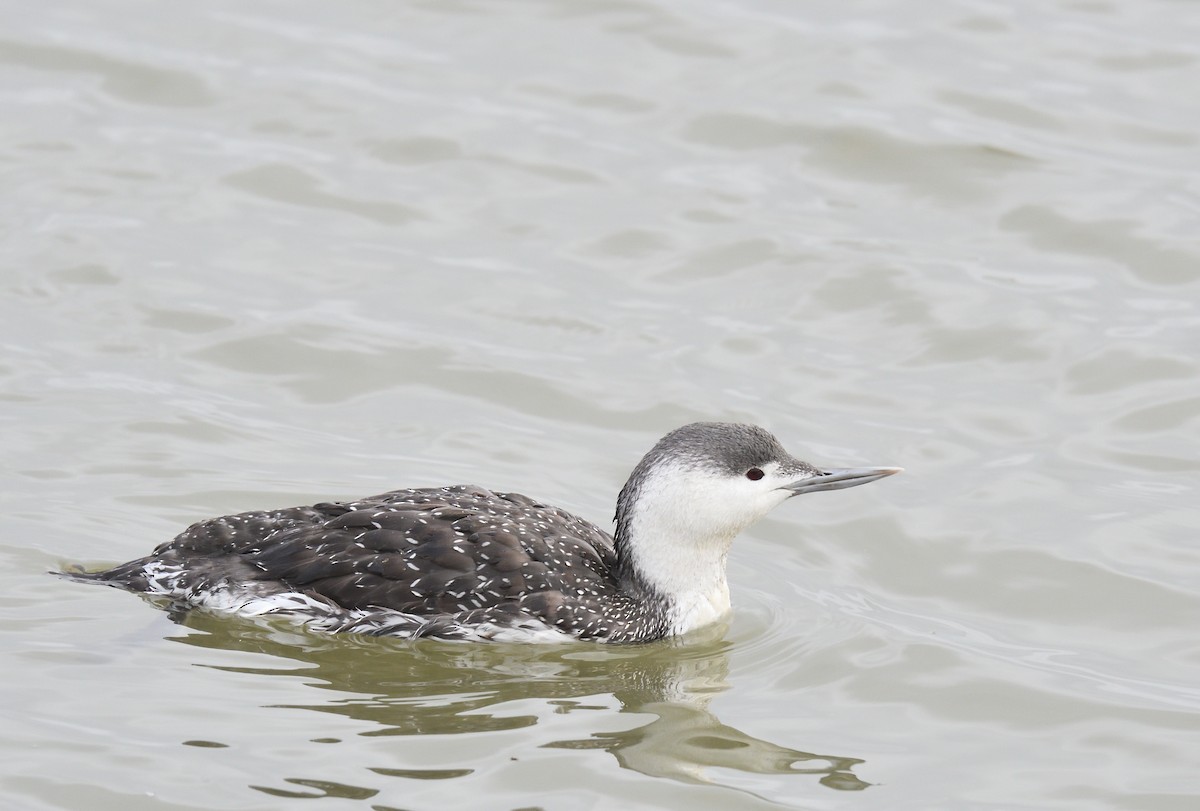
(465, 563)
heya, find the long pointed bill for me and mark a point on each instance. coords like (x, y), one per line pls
(837, 478)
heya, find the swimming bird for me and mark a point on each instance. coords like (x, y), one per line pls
(468, 563)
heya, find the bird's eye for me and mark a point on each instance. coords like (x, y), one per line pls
(754, 474)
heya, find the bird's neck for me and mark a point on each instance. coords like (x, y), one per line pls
(665, 558)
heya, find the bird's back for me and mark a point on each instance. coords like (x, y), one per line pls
(451, 562)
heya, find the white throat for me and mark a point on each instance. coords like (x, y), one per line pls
(688, 570)
(678, 536)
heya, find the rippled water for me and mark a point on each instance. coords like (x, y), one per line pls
(260, 254)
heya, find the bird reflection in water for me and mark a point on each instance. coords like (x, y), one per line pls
(406, 688)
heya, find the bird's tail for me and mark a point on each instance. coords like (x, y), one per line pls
(130, 576)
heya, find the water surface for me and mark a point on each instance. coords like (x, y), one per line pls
(260, 256)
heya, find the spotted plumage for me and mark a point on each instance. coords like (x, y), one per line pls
(468, 563)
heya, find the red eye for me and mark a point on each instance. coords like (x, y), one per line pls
(754, 474)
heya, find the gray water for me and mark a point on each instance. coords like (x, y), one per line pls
(256, 255)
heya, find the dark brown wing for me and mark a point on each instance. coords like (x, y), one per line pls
(424, 551)
(461, 557)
